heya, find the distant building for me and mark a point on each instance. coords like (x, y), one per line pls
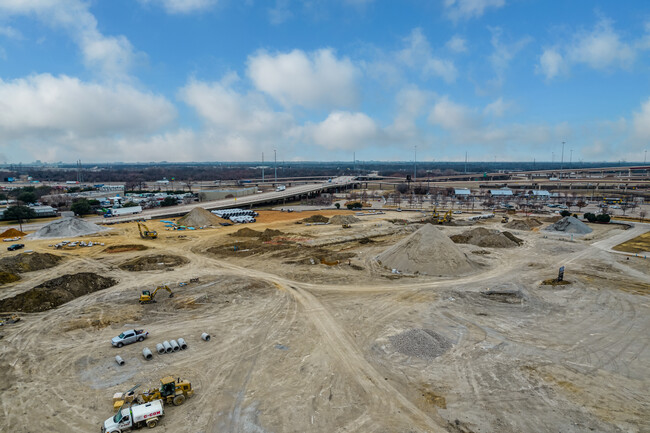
(501, 192)
(540, 193)
(462, 192)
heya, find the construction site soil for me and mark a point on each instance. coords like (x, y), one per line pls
(487, 238)
(157, 262)
(523, 224)
(28, 262)
(11, 233)
(199, 217)
(341, 344)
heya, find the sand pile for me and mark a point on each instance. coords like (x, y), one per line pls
(344, 219)
(67, 228)
(56, 292)
(316, 219)
(569, 225)
(199, 217)
(427, 251)
(421, 343)
(11, 233)
(486, 238)
(525, 224)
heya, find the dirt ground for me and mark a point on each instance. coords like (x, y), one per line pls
(311, 334)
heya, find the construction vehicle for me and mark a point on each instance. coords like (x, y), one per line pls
(148, 297)
(134, 417)
(146, 233)
(445, 218)
(9, 319)
(505, 219)
(346, 226)
(171, 391)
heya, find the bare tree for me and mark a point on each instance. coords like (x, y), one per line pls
(642, 215)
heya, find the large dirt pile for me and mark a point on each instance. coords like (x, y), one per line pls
(427, 251)
(56, 292)
(66, 228)
(525, 224)
(29, 262)
(199, 217)
(11, 233)
(153, 263)
(246, 233)
(486, 238)
(344, 219)
(316, 219)
(421, 343)
(569, 225)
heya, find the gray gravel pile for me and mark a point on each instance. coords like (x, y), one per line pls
(421, 343)
(569, 225)
(67, 228)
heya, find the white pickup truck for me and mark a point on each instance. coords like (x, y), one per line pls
(135, 417)
(128, 337)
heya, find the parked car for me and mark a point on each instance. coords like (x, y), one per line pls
(15, 247)
(128, 337)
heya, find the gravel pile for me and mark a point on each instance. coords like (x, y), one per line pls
(199, 217)
(428, 251)
(344, 219)
(67, 228)
(569, 225)
(486, 238)
(421, 343)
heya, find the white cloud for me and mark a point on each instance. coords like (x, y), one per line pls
(182, 6)
(457, 44)
(466, 9)
(452, 116)
(44, 105)
(601, 48)
(497, 108)
(504, 53)
(641, 122)
(419, 55)
(344, 130)
(10, 32)
(312, 80)
(109, 55)
(280, 13)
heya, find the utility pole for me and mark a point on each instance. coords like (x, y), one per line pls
(275, 164)
(570, 157)
(645, 156)
(465, 162)
(415, 163)
(262, 167)
(562, 160)
(354, 162)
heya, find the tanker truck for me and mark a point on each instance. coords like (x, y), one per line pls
(134, 417)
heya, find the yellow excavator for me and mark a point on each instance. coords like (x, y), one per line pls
(148, 297)
(145, 233)
(445, 218)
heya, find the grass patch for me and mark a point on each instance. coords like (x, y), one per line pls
(637, 245)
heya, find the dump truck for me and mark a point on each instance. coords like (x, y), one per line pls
(148, 297)
(133, 417)
(171, 391)
(128, 337)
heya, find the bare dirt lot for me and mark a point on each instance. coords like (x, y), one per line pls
(310, 333)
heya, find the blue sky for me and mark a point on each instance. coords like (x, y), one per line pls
(225, 80)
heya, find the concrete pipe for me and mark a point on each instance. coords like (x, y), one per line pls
(182, 343)
(167, 346)
(147, 354)
(119, 360)
(175, 345)
(205, 336)
(160, 348)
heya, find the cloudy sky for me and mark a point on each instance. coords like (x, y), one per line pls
(225, 80)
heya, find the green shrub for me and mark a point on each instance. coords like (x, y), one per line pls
(603, 218)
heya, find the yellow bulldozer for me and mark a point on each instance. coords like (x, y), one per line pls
(145, 233)
(148, 297)
(171, 392)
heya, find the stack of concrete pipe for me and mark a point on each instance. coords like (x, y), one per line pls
(164, 347)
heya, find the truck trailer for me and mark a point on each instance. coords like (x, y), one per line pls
(133, 417)
(113, 212)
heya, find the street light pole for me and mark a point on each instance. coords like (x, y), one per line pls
(275, 164)
(262, 167)
(415, 163)
(562, 160)
(570, 157)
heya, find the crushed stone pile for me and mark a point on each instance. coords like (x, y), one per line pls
(344, 219)
(55, 292)
(11, 233)
(486, 238)
(316, 219)
(428, 251)
(525, 224)
(421, 343)
(569, 225)
(199, 217)
(67, 228)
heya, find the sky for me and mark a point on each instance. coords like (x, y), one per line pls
(324, 80)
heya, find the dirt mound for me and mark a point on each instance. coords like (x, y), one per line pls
(125, 248)
(344, 219)
(67, 228)
(427, 251)
(153, 263)
(316, 219)
(525, 224)
(270, 234)
(56, 292)
(11, 233)
(29, 262)
(246, 233)
(199, 217)
(504, 296)
(569, 225)
(486, 238)
(421, 343)
(8, 277)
